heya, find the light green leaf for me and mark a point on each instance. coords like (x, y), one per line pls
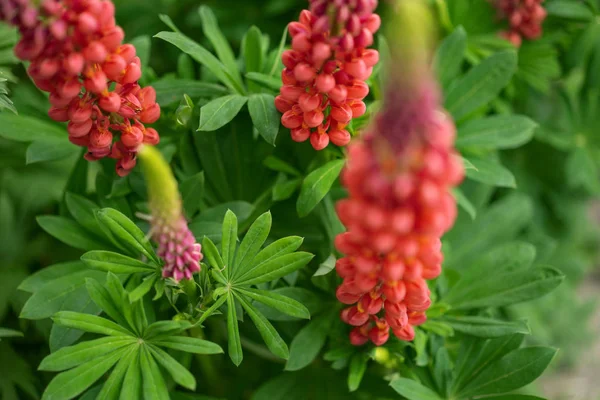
(276, 268)
(133, 377)
(72, 356)
(112, 386)
(45, 150)
(189, 345)
(413, 390)
(220, 112)
(281, 303)
(144, 287)
(316, 185)
(464, 202)
(178, 372)
(511, 372)
(250, 246)
(272, 339)
(161, 329)
(89, 323)
(450, 55)
(68, 385)
(267, 81)
(82, 211)
(154, 385)
(358, 366)
(229, 241)
(233, 331)
(253, 52)
(491, 173)
(170, 91)
(27, 129)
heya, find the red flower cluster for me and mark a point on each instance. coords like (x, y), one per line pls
(399, 206)
(325, 71)
(77, 55)
(525, 18)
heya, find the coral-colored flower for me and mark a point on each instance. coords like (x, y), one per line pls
(177, 245)
(76, 54)
(323, 80)
(525, 18)
(398, 177)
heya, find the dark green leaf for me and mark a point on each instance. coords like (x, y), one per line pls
(83, 210)
(89, 323)
(464, 202)
(115, 263)
(308, 343)
(69, 232)
(27, 129)
(49, 150)
(253, 52)
(112, 386)
(449, 56)
(192, 191)
(276, 268)
(36, 281)
(265, 116)
(170, 91)
(316, 185)
(250, 246)
(569, 10)
(486, 327)
(267, 81)
(491, 173)
(496, 132)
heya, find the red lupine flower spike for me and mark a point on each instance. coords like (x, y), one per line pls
(329, 57)
(79, 80)
(398, 178)
(525, 18)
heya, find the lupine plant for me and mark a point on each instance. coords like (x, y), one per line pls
(349, 199)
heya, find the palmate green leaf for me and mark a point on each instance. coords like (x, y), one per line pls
(481, 85)
(281, 303)
(112, 386)
(69, 384)
(312, 301)
(125, 233)
(203, 56)
(162, 329)
(143, 288)
(189, 345)
(89, 323)
(212, 309)
(316, 185)
(267, 81)
(515, 397)
(154, 386)
(116, 263)
(265, 116)
(450, 55)
(72, 356)
(250, 246)
(413, 390)
(569, 10)
(214, 258)
(54, 296)
(177, 371)
(496, 132)
(220, 112)
(511, 372)
(275, 268)
(233, 332)
(477, 354)
(272, 339)
(229, 241)
(133, 377)
(486, 327)
(37, 280)
(276, 249)
(210, 27)
(103, 299)
(491, 173)
(307, 344)
(69, 232)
